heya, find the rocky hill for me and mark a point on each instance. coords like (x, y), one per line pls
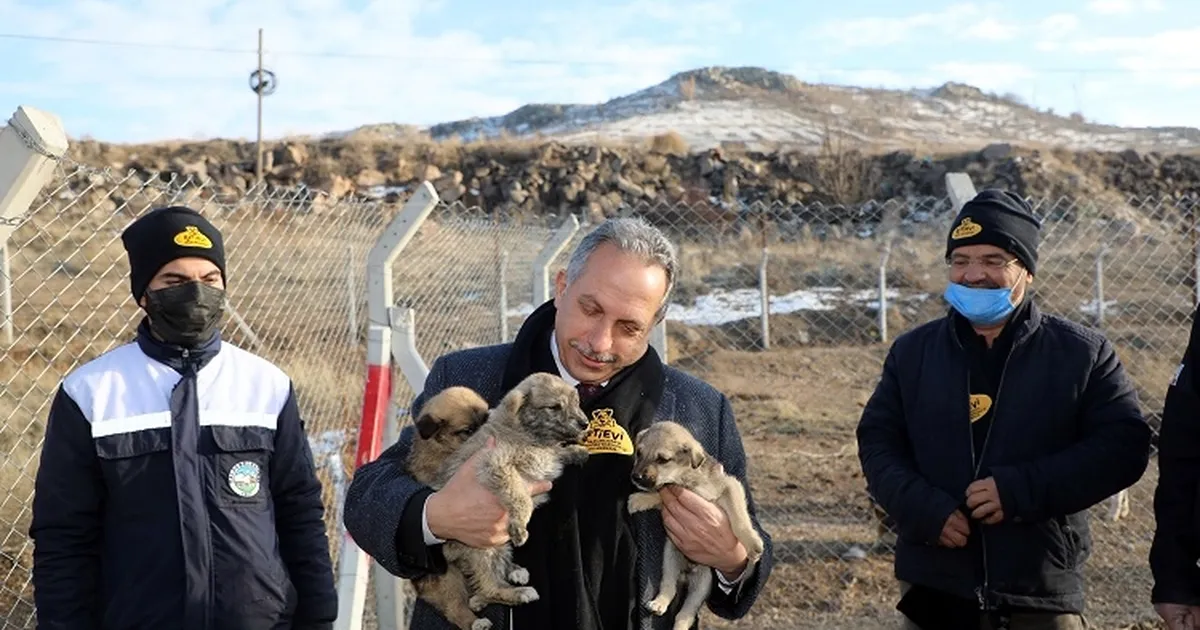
(764, 110)
(848, 145)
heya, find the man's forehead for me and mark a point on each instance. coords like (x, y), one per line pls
(981, 249)
(621, 309)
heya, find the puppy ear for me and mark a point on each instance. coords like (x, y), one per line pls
(427, 426)
(512, 402)
(697, 457)
(480, 417)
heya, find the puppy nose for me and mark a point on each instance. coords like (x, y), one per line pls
(640, 479)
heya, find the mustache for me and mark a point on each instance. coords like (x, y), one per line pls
(594, 356)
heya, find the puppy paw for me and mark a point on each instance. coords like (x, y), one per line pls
(658, 605)
(755, 550)
(477, 604)
(518, 535)
(683, 624)
(526, 594)
(641, 501)
(577, 454)
(519, 576)
(481, 624)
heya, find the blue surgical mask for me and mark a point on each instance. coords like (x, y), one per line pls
(983, 307)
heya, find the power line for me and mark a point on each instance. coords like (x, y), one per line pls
(537, 61)
(299, 53)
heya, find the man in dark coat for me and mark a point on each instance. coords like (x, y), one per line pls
(593, 564)
(176, 488)
(1175, 552)
(991, 433)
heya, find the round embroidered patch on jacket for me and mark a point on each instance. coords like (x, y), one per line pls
(244, 478)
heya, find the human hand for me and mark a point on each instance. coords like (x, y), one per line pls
(984, 500)
(1179, 616)
(465, 511)
(701, 531)
(955, 531)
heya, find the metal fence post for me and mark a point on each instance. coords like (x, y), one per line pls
(1100, 285)
(30, 146)
(960, 189)
(353, 562)
(541, 266)
(503, 306)
(764, 293)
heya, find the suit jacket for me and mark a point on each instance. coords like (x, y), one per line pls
(376, 518)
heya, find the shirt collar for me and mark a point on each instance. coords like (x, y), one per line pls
(562, 370)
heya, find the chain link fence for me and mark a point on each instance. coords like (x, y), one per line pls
(799, 376)
(840, 284)
(296, 281)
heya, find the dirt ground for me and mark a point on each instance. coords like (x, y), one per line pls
(797, 409)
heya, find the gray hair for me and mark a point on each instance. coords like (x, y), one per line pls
(632, 235)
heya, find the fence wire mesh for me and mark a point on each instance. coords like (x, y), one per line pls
(296, 281)
(799, 382)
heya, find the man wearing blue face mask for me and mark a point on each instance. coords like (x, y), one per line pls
(991, 432)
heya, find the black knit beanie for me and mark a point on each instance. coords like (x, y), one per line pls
(164, 234)
(1000, 218)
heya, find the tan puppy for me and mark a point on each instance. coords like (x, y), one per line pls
(537, 427)
(666, 453)
(443, 424)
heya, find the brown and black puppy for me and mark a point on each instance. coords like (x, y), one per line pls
(537, 426)
(666, 453)
(443, 424)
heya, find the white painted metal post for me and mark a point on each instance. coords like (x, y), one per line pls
(6, 307)
(658, 339)
(30, 146)
(353, 562)
(541, 266)
(960, 188)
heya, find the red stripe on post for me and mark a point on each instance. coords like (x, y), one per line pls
(376, 396)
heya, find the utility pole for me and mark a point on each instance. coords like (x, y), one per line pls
(263, 83)
(258, 166)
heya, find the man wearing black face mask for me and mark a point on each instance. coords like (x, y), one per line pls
(990, 434)
(176, 487)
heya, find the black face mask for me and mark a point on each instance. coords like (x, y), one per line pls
(185, 314)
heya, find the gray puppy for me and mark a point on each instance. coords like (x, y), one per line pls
(538, 426)
(666, 453)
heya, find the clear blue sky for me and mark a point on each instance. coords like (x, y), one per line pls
(343, 63)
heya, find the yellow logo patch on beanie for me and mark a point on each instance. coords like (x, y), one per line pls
(966, 229)
(191, 236)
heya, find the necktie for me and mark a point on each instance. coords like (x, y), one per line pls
(587, 390)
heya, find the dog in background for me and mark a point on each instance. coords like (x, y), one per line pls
(666, 453)
(443, 424)
(537, 427)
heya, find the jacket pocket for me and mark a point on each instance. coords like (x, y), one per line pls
(242, 464)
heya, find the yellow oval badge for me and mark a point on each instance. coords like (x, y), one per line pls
(191, 236)
(980, 404)
(966, 229)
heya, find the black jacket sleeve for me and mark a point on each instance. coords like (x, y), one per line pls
(919, 508)
(300, 522)
(1111, 454)
(67, 522)
(1176, 547)
(384, 503)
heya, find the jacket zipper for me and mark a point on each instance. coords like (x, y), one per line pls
(981, 592)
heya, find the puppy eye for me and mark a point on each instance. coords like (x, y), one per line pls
(555, 407)
(662, 459)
